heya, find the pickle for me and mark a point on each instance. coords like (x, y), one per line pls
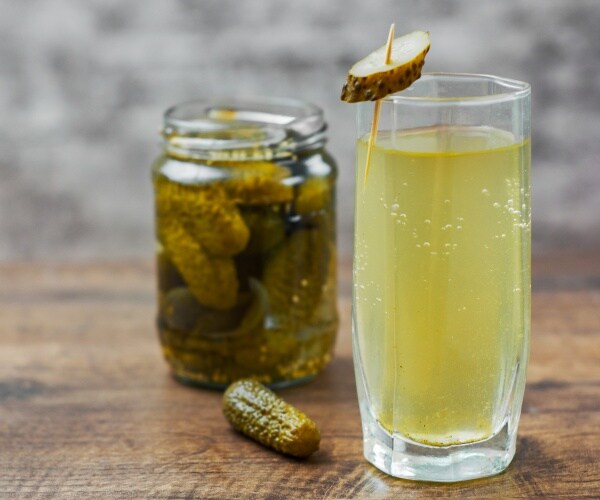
(375, 77)
(180, 309)
(212, 280)
(253, 317)
(313, 195)
(326, 310)
(206, 212)
(267, 230)
(168, 275)
(257, 183)
(260, 414)
(267, 349)
(294, 277)
(212, 321)
(245, 275)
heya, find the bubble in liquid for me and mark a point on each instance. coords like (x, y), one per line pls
(395, 207)
(496, 205)
(427, 221)
(426, 244)
(485, 191)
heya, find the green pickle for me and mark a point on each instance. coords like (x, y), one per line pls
(247, 285)
(260, 414)
(245, 227)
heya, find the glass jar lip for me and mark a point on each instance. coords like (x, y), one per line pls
(246, 128)
(509, 89)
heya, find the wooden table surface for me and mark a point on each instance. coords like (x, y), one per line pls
(88, 409)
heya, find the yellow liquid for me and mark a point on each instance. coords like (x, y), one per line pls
(441, 279)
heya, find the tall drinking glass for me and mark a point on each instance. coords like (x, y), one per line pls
(441, 306)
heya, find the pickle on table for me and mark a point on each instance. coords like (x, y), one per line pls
(260, 414)
(212, 280)
(206, 212)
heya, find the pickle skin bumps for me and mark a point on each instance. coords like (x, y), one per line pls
(207, 213)
(260, 414)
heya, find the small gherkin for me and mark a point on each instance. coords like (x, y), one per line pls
(294, 276)
(250, 318)
(212, 280)
(206, 212)
(267, 229)
(260, 414)
(313, 195)
(257, 183)
(181, 311)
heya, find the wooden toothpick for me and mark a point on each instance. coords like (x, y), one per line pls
(377, 110)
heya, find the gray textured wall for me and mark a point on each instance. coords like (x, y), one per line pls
(83, 85)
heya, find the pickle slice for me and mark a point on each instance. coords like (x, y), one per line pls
(212, 280)
(260, 414)
(371, 79)
(206, 212)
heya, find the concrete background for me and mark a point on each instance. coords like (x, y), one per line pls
(83, 86)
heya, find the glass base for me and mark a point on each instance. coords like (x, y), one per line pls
(403, 458)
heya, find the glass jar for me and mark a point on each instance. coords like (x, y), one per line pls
(245, 226)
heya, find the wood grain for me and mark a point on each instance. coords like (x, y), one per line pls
(88, 409)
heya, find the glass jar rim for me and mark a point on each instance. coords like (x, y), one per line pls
(256, 128)
(507, 89)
